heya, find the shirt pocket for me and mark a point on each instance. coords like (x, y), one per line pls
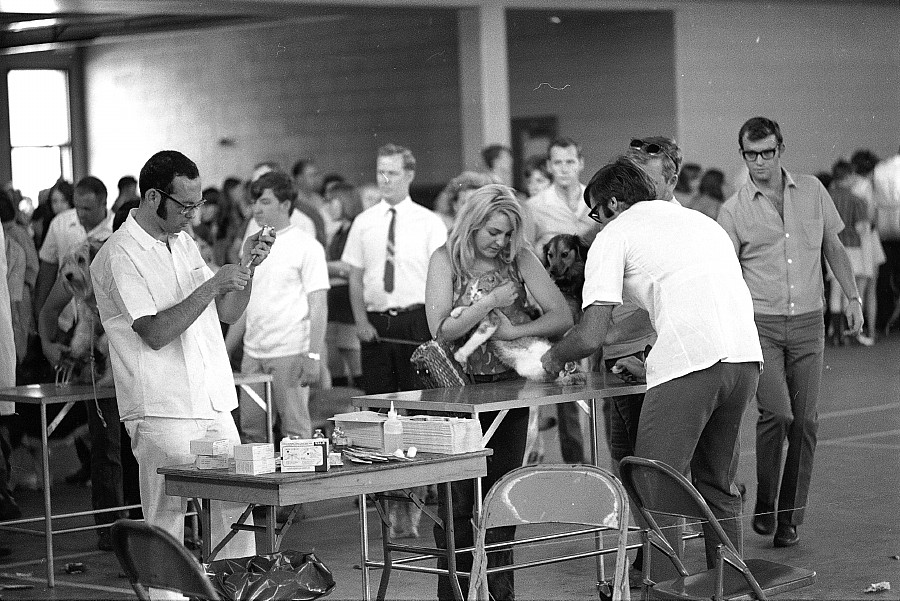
(197, 277)
(811, 233)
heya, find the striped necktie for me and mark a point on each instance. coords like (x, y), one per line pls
(389, 256)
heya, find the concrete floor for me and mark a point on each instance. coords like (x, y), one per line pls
(850, 536)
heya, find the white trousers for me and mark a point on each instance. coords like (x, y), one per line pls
(164, 442)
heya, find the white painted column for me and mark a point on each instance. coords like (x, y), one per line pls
(483, 79)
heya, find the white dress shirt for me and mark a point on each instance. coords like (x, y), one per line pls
(136, 275)
(418, 232)
(886, 186)
(681, 267)
(66, 233)
(7, 342)
(550, 215)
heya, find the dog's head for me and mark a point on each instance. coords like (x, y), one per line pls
(75, 269)
(564, 257)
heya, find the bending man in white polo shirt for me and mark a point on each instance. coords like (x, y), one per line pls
(680, 266)
(173, 380)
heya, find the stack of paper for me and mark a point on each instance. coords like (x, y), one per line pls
(447, 435)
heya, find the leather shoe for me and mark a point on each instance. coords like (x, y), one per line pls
(763, 522)
(786, 536)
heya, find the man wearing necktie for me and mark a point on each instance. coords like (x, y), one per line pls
(388, 248)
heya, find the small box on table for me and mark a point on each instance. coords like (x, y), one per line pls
(254, 451)
(211, 446)
(304, 455)
(254, 467)
(211, 462)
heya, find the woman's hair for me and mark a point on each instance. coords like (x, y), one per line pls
(481, 206)
(66, 189)
(711, 184)
(445, 203)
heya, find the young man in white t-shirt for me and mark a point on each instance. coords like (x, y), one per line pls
(284, 325)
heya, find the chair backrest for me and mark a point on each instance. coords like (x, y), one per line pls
(658, 488)
(151, 557)
(560, 494)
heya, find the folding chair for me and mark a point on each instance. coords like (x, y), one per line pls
(151, 557)
(657, 488)
(553, 494)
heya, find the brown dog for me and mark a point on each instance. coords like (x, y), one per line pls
(564, 257)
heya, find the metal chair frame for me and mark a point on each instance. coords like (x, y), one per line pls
(658, 488)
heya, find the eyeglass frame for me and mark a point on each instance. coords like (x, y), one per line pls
(186, 210)
(759, 153)
(594, 213)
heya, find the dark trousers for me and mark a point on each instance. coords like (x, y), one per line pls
(385, 365)
(571, 442)
(111, 486)
(508, 444)
(793, 349)
(888, 279)
(693, 424)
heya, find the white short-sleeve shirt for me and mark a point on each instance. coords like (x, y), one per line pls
(418, 232)
(681, 267)
(136, 275)
(278, 311)
(66, 233)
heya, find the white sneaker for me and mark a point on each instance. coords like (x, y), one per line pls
(865, 340)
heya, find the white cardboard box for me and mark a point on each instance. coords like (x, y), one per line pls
(304, 455)
(211, 446)
(211, 462)
(254, 451)
(255, 467)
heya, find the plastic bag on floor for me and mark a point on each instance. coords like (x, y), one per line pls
(286, 575)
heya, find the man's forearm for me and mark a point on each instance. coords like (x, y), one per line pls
(586, 336)
(318, 320)
(357, 302)
(167, 325)
(837, 258)
(233, 304)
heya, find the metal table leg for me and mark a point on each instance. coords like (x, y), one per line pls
(364, 546)
(48, 512)
(267, 388)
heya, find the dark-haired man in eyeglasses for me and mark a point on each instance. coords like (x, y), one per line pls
(781, 224)
(160, 306)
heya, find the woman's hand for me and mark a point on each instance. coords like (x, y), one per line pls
(503, 295)
(505, 330)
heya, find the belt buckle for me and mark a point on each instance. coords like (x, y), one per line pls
(393, 312)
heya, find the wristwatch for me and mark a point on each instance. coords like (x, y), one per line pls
(314, 356)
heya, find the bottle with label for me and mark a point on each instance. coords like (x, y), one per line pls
(339, 440)
(393, 431)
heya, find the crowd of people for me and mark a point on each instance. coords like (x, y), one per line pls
(321, 283)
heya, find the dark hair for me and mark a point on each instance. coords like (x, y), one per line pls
(622, 179)
(7, 208)
(122, 214)
(330, 180)
(229, 184)
(348, 195)
(163, 167)
(688, 173)
(864, 161)
(279, 182)
(389, 150)
(564, 142)
(759, 128)
(841, 169)
(211, 195)
(125, 182)
(534, 163)
(66, 189)
(93, 185)
(490, 154)
(711, 184)
(300, 165)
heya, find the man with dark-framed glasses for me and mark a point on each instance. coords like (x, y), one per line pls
(781, 224)
(160, 305)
